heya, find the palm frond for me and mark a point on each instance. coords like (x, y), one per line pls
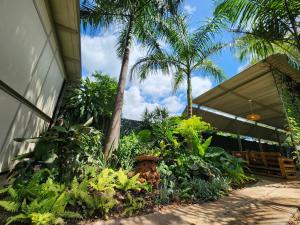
(267, 20)
(256, 49)
(153, 63)
(179, 77)
(99, 15)
(211, 70)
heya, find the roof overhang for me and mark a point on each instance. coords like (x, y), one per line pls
(66, 21)
(257, 84)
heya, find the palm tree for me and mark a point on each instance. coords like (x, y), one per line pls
(138, 20)
(187, 52)
(263, 27)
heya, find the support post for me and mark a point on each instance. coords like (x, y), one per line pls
(278, 140)
(240, 143)
(260, 145)
(238, 136)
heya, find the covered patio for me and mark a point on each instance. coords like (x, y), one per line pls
(253, 92)
(251, 106)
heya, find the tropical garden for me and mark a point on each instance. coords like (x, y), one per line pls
(85, 166)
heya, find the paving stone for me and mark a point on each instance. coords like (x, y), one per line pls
(268, 202)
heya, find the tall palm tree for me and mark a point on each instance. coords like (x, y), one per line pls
(187, 52)
(138, 20)
(263, 27)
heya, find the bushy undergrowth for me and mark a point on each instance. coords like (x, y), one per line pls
(64, 149)
(66, 176)
(45, 201)
(187, 160)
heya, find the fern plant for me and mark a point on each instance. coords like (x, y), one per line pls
(12, 202)
(105, 201)
(125, 183)
(100, 197)
(37, 203)
(44, 211)
(133, 205)
(105, 180)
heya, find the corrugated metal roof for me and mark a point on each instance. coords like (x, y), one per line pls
(257, 84)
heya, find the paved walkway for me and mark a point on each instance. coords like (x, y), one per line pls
(268, 202)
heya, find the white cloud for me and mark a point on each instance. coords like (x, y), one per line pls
(156, 85)
(199, 86)
(173, 104)
(99, 53)
(135, 104)
(189, 9)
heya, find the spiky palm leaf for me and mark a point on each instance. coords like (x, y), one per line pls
(263, 27)
(187, 52)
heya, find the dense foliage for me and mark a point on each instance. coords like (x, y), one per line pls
(186, 158)
(64, 149)
(66, 176)
(43, 201)
(290, 95)
(93, 98)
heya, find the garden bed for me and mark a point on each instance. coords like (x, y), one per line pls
(67, 178)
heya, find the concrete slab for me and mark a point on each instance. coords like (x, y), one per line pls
(268, 202)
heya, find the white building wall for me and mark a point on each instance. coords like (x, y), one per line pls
(27, 65)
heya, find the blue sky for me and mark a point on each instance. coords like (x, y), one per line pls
(98, 53)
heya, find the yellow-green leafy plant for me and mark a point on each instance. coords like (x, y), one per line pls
(191, 130)
(125, 183)
(101, 199)
(81, 196)
(105, 180)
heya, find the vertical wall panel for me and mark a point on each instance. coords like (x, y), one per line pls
(21, 42)
(51, 90)
(29, 64)
(42, 8)
(12, 148)
(39, 76)
(8, 107)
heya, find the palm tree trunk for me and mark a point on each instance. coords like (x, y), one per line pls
(189, 96)
(112, 140)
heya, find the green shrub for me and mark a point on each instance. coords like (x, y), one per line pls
(93, 98)
(129, 147)
(65, 150)
(230, 166)
(167, 184)
(199, 190)
(98, 193)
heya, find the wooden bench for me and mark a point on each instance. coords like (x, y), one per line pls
(269, 163)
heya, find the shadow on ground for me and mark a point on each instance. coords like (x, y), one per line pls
(269, 202)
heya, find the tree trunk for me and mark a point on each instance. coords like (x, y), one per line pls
(112, 139)
(189, 96)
